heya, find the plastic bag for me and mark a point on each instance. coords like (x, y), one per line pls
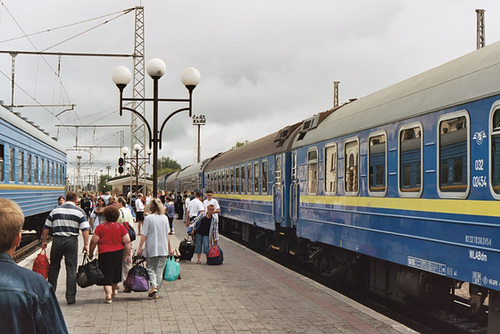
(41, 264)
(172, 269)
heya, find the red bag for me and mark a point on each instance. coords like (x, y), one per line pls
(41, 264)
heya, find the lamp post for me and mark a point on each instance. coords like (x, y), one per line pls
(190, 77)
(199, 121)
(134, 162)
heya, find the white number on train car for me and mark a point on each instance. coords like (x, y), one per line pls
(479, 164)
(479, 181)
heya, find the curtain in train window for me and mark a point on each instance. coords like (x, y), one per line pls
(256, 178)
(410, 157)
(331, 169)
(277, 178)
(377, 158)
(21, 166)
(249, 179)
(264, 177)
(312, 170)
(243, 180)
(351, 158)
(12, 164)
(453, 151)
(495, 152)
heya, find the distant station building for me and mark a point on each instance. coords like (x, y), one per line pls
(124, 184)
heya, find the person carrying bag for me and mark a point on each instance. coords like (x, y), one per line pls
(88, 273)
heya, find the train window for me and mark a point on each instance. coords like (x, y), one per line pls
(453, 155)
(237, 178)
(52, 173)
(12, 164)
(36, 170)
(227, 181)
(351, 165)
(1, 163)
(21, 167)
(243, 181)
(231, 181)
(377, 162)
(28, 167)
(249, 178)
(256, 178)
(331, 169)
(494, 154)
(410, 160)
(312, 170)
(278, 173)
(42, 172)
(264, 177)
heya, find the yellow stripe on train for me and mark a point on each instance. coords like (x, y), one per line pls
(460, 206)
(29, 187)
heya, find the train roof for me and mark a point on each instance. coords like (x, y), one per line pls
(274, 143)
(190, 170)
(459, 81)
(27, 127)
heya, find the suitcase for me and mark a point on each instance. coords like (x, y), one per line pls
(186, 247)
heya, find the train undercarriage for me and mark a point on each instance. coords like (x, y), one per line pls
(411, 288)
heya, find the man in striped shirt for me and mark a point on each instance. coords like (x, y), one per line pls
(64, 224)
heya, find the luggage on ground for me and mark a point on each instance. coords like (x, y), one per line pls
(186, 247)
(215, 255)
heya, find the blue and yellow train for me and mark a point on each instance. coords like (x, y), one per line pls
(32, 168)
(397, 191)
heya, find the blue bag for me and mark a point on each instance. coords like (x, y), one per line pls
(172, 269)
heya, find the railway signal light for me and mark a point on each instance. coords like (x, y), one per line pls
(120, 164)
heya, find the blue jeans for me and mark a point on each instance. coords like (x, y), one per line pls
(66, 247)
(199, 241)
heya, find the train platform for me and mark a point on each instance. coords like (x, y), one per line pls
(246, 294)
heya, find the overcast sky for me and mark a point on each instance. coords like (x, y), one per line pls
(264, 64)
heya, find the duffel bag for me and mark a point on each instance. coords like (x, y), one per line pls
(215, 255)
(137, 278)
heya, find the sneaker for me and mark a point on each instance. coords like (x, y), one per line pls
(152, 292)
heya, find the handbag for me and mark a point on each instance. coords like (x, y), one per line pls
(130, 230)
(137, 277)
(172, 269)
(88, 273)
(215, 255)
(41, 264)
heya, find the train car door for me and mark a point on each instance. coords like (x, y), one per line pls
(278, 205)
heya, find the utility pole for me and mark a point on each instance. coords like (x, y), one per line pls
(137, 126)
(481, 38)
(199, 121)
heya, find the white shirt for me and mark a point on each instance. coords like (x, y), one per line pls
(213, 201)
(194, 208)
(139, 207)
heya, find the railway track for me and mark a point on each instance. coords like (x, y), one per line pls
(454, 318)
(27, 250)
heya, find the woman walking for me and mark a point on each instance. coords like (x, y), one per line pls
(112, 238)
(170, 207)
(154, 234)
